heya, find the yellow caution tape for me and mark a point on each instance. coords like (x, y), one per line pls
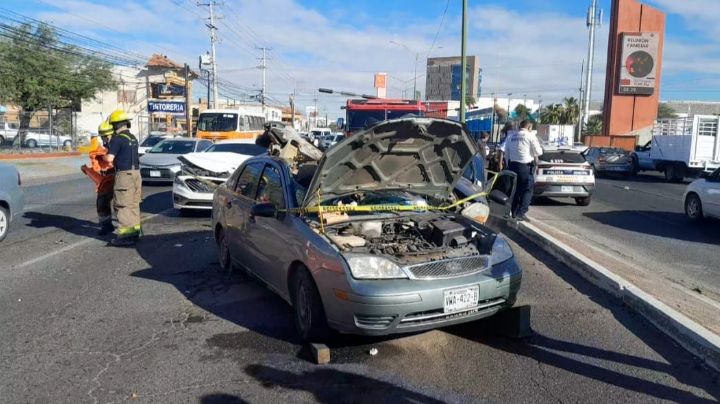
(320, 209)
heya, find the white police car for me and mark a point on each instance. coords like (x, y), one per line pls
(564, 173)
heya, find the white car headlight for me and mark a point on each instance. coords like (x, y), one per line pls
(372, 267)
(176, 168)
(501, 251)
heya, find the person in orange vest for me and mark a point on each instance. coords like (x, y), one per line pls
(102, 173)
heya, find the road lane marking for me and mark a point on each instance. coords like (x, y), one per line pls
(75, 245)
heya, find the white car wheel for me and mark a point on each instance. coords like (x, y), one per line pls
(693, 208)
(4, 223)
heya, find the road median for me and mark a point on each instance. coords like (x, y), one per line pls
(685, 331)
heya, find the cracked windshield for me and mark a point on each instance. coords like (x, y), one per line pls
(447, 201)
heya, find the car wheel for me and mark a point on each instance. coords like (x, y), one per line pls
(223, 251)
(310, 321)
(67, 144)
(595, 171)
(31, 143)
(635, 166)
(2, 140)
(693, 208)
(4, 223)
(584, 201)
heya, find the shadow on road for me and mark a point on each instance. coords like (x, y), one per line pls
(333, 386)
(80, 227)
(221, 398)
(662, 224)
(567, 355)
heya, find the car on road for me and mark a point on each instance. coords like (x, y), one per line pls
(35, 139)
(202, 172)
(564, 173)
(330, 140)
(609, 160)
(371, 239)
(11, 197)
(150, 141)
(702, 198)
(161, 164)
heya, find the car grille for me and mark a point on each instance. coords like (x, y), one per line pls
(428, 317)
(164, 172)
(374, 321)
(199, 186)
(449, 268)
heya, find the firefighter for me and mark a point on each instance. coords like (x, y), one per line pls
(123, 154)
(103, 174)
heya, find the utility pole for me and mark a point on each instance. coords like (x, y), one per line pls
(263, 67)
(463, 63)
(188, 118)
(583, 103)
(213, 40)
(594, 19)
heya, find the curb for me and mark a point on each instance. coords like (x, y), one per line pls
(27, 156)
(687, 333)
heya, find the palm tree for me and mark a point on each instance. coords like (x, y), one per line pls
(552, 114)
(594, 126)
(571, 111)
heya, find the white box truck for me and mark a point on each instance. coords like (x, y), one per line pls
(680, 148)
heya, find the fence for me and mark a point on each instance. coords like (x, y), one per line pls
(42, 130)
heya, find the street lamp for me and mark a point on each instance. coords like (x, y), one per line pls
(508, 110)
(417, 56)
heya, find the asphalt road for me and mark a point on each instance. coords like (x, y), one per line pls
(82, 322)
(642, 221)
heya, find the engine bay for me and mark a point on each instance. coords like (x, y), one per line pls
(415, 238)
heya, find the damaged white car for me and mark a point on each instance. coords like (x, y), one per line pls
(373, 237)
(202, 172)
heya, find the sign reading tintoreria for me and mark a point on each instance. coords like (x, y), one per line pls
(638, 63)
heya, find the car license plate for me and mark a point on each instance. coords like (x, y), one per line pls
(461, 299)
(154, 173)
(567, 189)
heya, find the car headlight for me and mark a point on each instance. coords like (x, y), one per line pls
(372, 267)
(501, 251)
(175, 169)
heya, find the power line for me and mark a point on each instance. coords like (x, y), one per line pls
(442, 22)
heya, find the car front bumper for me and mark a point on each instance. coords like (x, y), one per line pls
(381, 307)
(165, 174)
(561, 191)
(186, 198)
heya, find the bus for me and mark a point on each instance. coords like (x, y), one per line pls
(221, 124)
(363, 113)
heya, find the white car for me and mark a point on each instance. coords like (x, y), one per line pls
(202, 172)
(35, 139)
(564, 173)
(702, 198)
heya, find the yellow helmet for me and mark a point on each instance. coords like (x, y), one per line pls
(118, 116)
(105, 129)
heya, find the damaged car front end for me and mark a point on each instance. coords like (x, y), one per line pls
(373, 238)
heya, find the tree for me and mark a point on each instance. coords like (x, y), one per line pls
(552, 114)
(665, 111)
(570, 111)
(522, 112)
(594, 126)
(470, 100)
(38, 72)
(501, 113)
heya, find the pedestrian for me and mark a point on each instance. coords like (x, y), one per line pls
(103, 174)
(500, 157)
(123, 154)
(522, 150)
(483, 144)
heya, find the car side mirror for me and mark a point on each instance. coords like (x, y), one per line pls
(499, 197)
(263, 210)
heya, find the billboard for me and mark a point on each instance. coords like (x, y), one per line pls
(168, 107)
(638, 63)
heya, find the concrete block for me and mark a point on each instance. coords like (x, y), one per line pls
(513, 323)
(320, 353)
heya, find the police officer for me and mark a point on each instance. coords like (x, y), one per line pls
(522, 150)
(123, 154)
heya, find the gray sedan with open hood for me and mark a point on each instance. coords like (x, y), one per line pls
(374, 238)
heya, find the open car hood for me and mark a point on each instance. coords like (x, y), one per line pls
(216, 162)
(421, 155)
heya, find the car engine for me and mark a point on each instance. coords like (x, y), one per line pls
(414, 239)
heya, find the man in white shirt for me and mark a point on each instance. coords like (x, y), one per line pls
(522, 150)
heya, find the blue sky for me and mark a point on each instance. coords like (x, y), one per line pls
(525, 46)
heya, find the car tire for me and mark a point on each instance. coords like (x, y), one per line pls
(583, 201)
(224, 259)
(4, 223)
(693, 208)
(67, 144)
(2, 140)
(635, 165)
(31, 143)
(595, 171)
(308, 312)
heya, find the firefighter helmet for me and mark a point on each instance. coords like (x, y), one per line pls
(105, 129)
(118, 116)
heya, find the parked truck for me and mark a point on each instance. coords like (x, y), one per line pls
(8, 131)
(680, 148)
